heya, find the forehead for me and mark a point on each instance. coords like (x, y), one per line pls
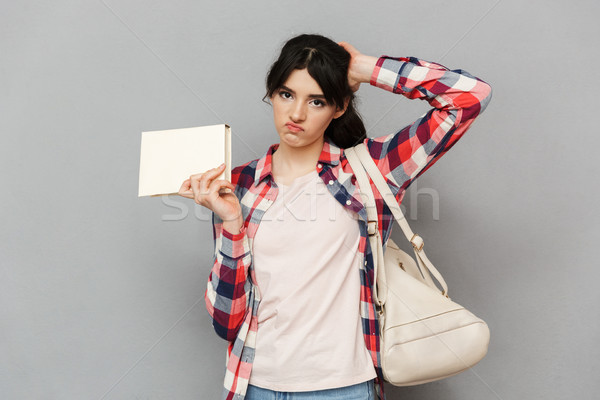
(301, 82)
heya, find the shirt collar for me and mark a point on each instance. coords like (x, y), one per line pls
(330, 154)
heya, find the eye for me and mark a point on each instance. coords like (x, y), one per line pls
(318, 103)
(285, 94)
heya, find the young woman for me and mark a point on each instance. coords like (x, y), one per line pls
(290, 287)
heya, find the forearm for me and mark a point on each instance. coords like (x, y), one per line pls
(228, 286)
(362, 68)
(441, 87)
(456, 97)
(234, 225)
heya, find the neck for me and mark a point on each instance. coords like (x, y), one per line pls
(295, 161)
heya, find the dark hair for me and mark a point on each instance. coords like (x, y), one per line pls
(327, 63)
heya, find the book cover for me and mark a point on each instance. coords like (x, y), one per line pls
(169, 157)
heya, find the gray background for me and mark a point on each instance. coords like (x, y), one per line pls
(101, 292)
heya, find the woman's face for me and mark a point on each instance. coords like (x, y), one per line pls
(300, 111)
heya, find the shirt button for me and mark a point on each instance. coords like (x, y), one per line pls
(348, 202)
(331, 182)
(365, 263)
(319, 166)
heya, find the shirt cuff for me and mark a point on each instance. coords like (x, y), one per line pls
(387, 73)
(234, 245)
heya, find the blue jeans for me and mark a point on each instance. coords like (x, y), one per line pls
(360, 391)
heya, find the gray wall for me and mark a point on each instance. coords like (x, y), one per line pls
(101, 293)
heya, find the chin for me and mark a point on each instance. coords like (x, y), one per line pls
(291, 139)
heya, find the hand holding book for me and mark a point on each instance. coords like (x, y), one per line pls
(212, 193)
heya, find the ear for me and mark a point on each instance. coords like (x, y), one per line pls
(341, 111)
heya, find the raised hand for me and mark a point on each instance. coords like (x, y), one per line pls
(361, 66)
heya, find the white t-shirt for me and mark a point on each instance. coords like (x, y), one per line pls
(306, 263)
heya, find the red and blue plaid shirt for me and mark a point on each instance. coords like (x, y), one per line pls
(232, 297)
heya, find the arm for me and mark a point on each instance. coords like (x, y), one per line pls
(456, 96)
(228, 286)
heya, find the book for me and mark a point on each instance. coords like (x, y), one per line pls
(169, 157)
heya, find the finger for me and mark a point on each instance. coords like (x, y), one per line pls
(185, 186)
(210, 173)
(219, 184)
(348, 47)
(213, 173)
(185, 189)
(195, 183)
(216, 189)
(201, 192)
(200, 182)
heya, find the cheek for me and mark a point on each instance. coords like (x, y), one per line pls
(277, 110)
(325, 119)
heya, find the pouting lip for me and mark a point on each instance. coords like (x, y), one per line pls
(294, 126)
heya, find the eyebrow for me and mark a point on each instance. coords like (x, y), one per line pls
(312, 96)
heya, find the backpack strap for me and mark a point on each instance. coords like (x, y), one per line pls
(360, 160)
(375, 239)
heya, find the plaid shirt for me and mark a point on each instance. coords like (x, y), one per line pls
(232, 297)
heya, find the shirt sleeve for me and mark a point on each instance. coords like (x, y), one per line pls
(456, 97)
(228, 288)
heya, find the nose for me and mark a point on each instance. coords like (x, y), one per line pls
(298, 112)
